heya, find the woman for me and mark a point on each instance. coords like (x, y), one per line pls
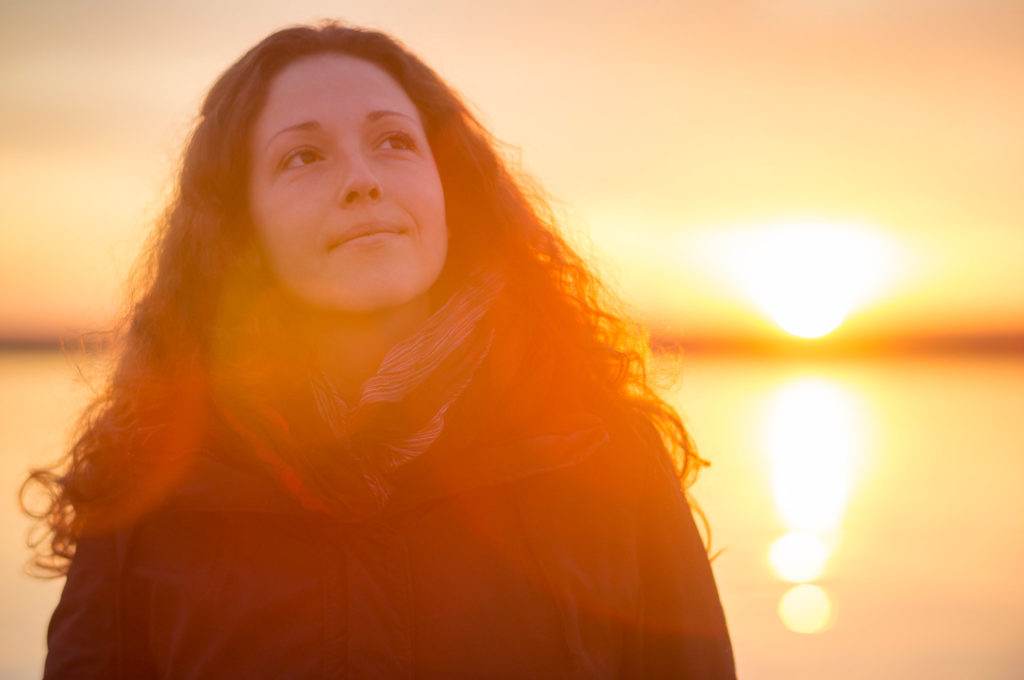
(371, 416)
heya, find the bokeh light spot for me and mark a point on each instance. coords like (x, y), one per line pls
(805, 609)
(798, 557)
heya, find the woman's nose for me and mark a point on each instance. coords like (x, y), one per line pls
(360, 184)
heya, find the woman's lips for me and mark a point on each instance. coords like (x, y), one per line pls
(368, 240)
(367, 233)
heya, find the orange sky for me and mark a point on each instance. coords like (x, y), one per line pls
(678, 137)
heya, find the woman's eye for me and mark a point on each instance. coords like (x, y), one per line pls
(300, 158)
(399, 141)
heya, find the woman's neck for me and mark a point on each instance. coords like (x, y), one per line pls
(349, 348)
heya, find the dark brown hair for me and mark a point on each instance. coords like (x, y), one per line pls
(204, 273)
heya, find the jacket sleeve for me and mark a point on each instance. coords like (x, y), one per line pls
(683, 631)
(89, 634)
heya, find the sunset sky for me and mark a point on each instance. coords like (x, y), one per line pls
(732, 166)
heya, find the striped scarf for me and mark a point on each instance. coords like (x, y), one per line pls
(400, 410)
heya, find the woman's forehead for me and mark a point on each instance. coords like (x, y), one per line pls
(333, 86)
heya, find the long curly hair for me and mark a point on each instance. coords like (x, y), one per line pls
(203, 284)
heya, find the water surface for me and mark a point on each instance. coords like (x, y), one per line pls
(906, 473)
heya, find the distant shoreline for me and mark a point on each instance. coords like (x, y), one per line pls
(53, 344)
(840, 347)
(665, 343)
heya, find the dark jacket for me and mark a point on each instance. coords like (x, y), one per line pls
(566, 554)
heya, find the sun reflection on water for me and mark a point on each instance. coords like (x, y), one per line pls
(812, 437)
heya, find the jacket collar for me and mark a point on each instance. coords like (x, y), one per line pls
(220, 483)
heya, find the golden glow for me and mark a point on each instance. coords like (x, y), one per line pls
(806, 275)
(798, 557)
(805, 609)
(812, 434)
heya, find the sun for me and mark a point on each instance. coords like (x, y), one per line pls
(806, 275)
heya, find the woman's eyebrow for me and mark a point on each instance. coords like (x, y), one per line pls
(382, 113)
(313, 125)
(306, 125)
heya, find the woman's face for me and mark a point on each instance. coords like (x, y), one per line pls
(343, 190)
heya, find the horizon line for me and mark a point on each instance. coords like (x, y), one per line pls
(681, 343)
(897, 345)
